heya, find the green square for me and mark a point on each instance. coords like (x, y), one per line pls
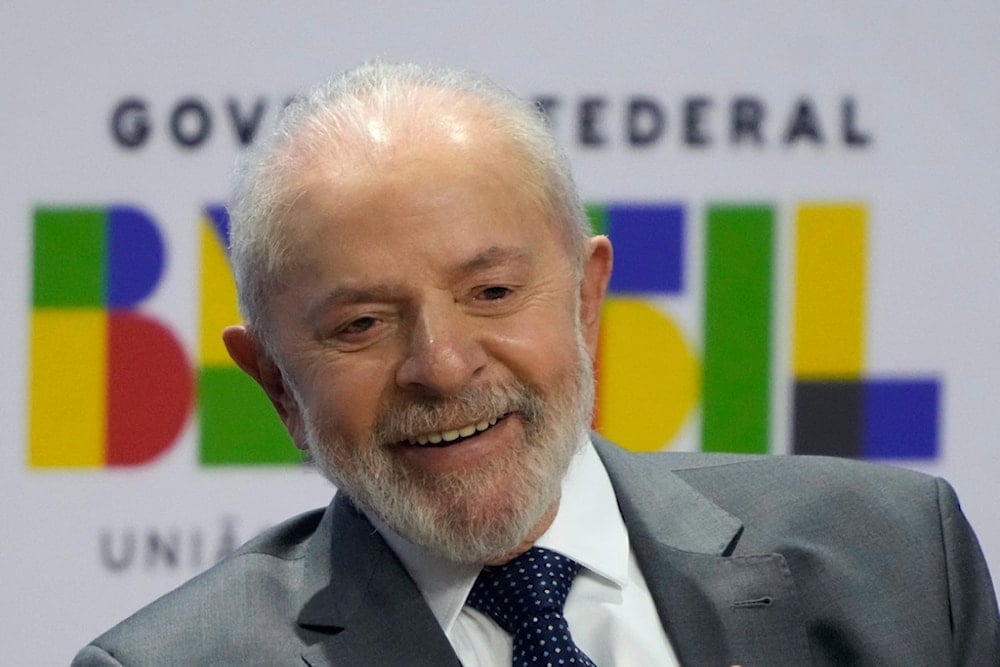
(239, 426)
(69, 258)
(598, 216)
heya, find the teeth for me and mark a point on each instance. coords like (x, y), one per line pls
(454, 434)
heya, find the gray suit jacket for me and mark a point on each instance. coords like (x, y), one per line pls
(756, 561)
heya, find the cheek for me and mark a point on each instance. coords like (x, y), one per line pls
(539, 352)
(345, 397)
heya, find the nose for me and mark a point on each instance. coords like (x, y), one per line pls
(444, 353)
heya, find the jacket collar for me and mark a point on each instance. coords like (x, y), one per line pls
(360, 603)
(659, 506)
(717, 609)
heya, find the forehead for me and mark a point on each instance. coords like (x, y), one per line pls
(449, 184)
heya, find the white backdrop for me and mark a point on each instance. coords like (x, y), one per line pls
(86, 546)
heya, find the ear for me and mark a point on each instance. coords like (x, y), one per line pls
(251, 356)
(596, 272)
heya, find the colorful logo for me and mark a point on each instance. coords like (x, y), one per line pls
(650, 376)
(111, 385)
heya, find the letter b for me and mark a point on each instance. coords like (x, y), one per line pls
(109, 385)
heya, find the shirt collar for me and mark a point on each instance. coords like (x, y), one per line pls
(588, 527)
(587, 501)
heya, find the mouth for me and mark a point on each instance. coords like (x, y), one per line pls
(451, 436)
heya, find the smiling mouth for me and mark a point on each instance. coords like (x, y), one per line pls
(445, 438)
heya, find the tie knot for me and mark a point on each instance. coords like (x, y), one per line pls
(526, 597)
(533, 584)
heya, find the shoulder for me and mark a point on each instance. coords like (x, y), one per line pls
(797, 476)
(788, 474)
(865, 545)
(793, 494)
(285, 541)
(814, 496)
(213, 613)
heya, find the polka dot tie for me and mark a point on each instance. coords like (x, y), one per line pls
(526, 597)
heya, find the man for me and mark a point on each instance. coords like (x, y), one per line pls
(422, 300)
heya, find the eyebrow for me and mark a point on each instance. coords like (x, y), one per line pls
(495, 256)
(347, 295)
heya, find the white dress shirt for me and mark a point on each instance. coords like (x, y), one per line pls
(609, 609)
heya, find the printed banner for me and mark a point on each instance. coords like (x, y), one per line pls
(800, 199)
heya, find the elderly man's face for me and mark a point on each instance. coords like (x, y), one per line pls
(433, 344)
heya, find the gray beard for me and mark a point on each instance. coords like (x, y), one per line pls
(440, 512)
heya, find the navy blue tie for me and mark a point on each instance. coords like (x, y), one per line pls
(526, 597)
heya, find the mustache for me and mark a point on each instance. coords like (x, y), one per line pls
(416, 416)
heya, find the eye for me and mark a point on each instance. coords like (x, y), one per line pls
(351, 332)
(494, 293)
(358, 326)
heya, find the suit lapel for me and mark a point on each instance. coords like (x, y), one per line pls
(362, 607)
(717, 608)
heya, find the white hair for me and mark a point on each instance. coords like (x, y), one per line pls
(335, 119)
